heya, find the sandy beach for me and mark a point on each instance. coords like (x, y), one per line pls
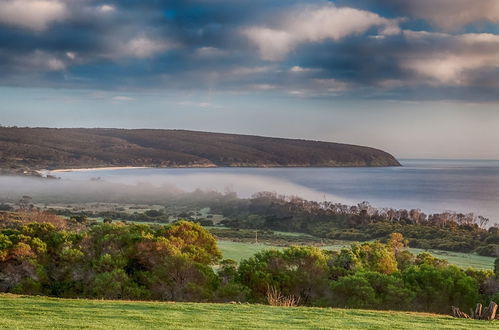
(93, 169)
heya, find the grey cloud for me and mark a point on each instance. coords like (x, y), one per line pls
(298, 48)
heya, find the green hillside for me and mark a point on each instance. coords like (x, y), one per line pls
(77, 147)
(24, 312)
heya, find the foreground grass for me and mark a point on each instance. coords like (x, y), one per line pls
(240, 250)
(25, 312)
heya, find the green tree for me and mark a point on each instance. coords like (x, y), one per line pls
(438, 288)
(193, 241)
(376, 257)
(301, 272)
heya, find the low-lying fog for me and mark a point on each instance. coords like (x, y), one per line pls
(150, 189)
(432, 186)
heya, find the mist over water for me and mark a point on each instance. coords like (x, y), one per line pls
(146, 186)
(433, 186)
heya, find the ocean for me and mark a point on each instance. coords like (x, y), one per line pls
(430, 185)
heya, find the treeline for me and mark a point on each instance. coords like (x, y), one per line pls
(181, 262)
(449, 231)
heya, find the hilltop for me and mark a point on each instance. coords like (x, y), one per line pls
(53, 148)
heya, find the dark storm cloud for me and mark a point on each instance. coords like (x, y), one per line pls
(315, 48)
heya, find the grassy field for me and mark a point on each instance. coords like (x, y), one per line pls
(239, 250)
(463, 260)
(22, 312)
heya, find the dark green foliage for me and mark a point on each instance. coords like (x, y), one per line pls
(436, 288)
(371, 290)
(181, 262)
(112, 261)
(365, 276)
(301, 272)
(444, 231)
(489, 250)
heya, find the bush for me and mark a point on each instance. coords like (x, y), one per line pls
(489, 250)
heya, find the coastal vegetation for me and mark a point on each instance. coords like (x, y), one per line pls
(47, 255)
(26, 149)
(320, 223)
(449, 231)
(323, 222)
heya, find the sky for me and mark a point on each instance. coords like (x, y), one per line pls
(419, 79)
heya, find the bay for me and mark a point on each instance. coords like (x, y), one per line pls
(430, 185)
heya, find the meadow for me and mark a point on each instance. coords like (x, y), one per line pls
(242, 250)
(27, 312)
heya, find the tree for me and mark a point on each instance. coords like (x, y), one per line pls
(376, 257)
(353, 291)
(397, 242)
(193, 241)
(371, 290)
(438, 288)
(301, 272)
(178, 278)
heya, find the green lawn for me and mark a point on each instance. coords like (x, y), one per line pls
(23, 312)
(239, 250)
(463, 260)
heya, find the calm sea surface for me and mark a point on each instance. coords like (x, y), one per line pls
(430, 185)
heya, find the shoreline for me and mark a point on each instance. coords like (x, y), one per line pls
(106, 168)
(89, 169)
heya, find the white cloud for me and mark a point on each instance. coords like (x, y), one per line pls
(32, 14)
(315, 24)
(144, 47)
(71, 55)
(332, 85)
(452, 14)
(272, 44)
(38, 61)
(106, 8)
(299, 69)
(454, 63)
(211, 52)
(263, 87)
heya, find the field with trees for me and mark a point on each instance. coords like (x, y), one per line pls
(449, 231)
(26, 312)
(275, 216)
(243, 250)
(44, 254)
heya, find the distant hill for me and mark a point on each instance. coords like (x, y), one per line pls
(52, 148)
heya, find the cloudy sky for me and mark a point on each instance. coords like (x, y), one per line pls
(416, 78)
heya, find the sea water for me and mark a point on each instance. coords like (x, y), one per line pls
(430, 185)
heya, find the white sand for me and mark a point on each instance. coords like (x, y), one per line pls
(95, 169)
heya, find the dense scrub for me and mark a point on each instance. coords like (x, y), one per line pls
(449, 231)
(445, 231)
(78, 147)
(181, 262)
